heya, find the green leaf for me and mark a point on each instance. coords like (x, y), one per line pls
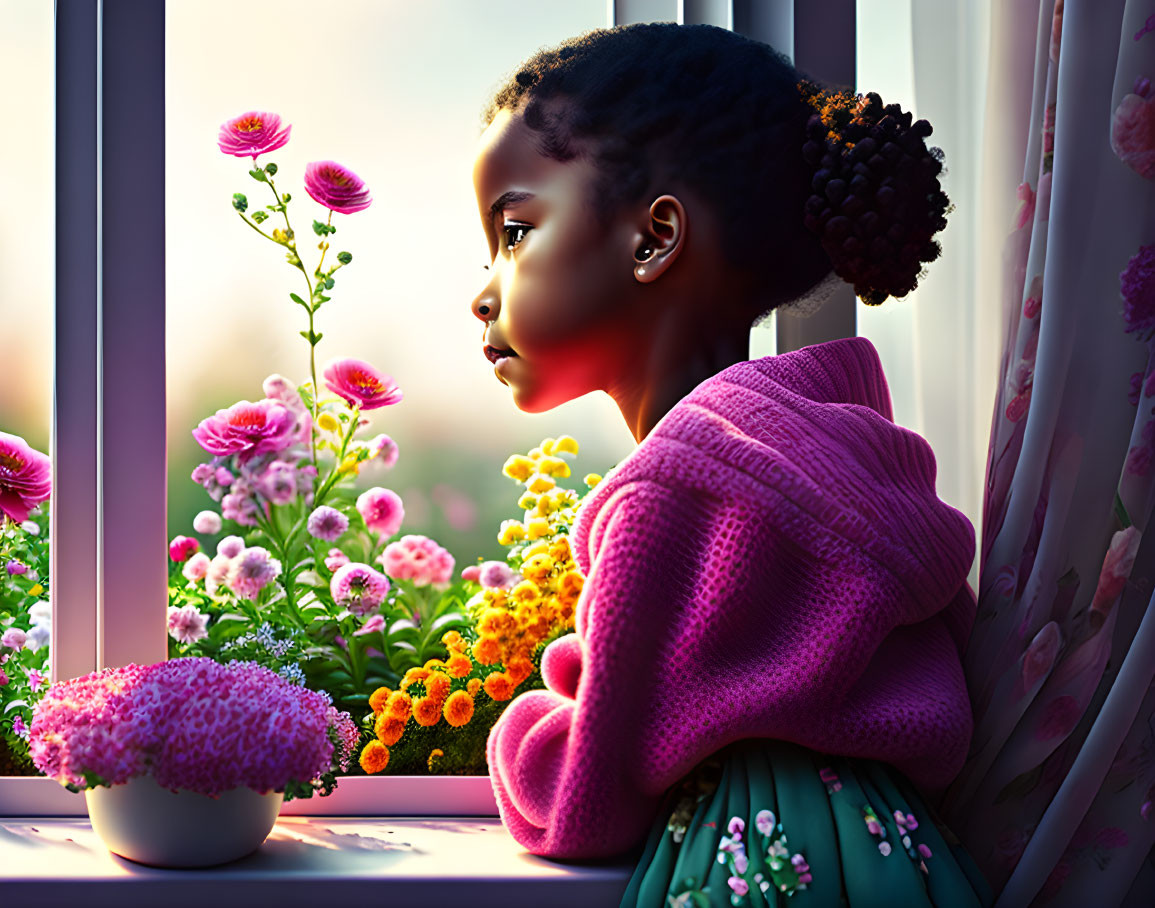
(239, 201)
(260, 216)
(344, 258)
(318, 228)
(329, 282)
(271, 169)
(259, 175)
(286, 198)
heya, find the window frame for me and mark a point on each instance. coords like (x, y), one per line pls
(109, 341)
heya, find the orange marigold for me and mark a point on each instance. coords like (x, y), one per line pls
(389, 728)
(458, 708)
(399, 705)
(414, 674)
(375, 757)
(486, 650)
(518, 668)
(452, 639)
(473, 686)
(459, 665)
(426, 711)
(378, 697)
(434, 664)
(437, 686)
(498, 686)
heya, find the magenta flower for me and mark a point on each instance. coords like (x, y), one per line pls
(36, 678)
(473, 572)
(1133, 133)
(251, 571)
(277, 482)
(254, 133)
(15, 567)
(384, 447)
(247, 429)
(1137, 286)
(186, 624)
(25, 477)
(418, 558)
(360, 384)
(1117, 564)
(14, 638)
(182, 547)
(327, 523)
(497, 575)
(280, 389)
(359, 588)
(381, 510)
(374, 624)
(196, 567)
(336, 187)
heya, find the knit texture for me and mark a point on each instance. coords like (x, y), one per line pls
(772, 561)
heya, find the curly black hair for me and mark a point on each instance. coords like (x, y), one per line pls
(819, 179)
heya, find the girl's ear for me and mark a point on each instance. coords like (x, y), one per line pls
(662, 239)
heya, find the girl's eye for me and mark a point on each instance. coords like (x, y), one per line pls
(514, 234)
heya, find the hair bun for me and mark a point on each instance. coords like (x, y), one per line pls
(876, 201)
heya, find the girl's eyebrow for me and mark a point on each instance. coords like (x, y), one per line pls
(507, 198)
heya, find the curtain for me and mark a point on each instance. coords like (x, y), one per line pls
(1055, 802)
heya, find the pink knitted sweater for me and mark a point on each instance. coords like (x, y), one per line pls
(772, 561)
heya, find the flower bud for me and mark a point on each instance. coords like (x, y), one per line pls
(239, 201)
(271, 169)
(344, 258)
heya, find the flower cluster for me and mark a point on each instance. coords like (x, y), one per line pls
(522, 604)
(190, 723)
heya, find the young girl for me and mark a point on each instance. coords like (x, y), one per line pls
(764, 688)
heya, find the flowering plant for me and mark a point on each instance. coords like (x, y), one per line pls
(191, 724)
(25, 614)
(520, 606)
(306, 576)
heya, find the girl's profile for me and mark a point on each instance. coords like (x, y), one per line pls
(775, 543)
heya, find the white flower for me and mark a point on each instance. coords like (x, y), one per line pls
(207, 522)
(38, 636)
(31, 527)
(41, 612)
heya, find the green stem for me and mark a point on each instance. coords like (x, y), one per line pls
(256, 228)
(319, 499)
(324, 246)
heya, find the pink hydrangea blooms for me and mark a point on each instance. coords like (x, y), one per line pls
(186, 624)
(251, 571)
(247, 429)
(360, 384)
(191, 723)
(253, 133)
(25, 477)
(358, 587)
(382, 511)
(418, 558)
(336, 187)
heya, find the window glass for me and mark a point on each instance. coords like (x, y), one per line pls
(26, 301)
(393, 93)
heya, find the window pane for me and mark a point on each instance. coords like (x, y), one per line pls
(26, 300)
(393, 92)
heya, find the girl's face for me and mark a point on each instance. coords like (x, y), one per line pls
(562, 292)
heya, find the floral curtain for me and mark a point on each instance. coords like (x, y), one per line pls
(1057, 799)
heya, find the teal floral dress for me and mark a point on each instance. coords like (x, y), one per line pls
(765, 822)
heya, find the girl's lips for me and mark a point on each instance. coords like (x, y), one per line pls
(493, 354)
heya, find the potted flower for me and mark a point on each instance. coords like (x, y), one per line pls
(185, 763)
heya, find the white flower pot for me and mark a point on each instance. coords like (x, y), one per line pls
(146, 823)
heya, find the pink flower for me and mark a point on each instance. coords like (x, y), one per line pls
(417, 558)
(1027, 212)
(186, 624)
(1043, 196)
(497, 575)
(19, 728)
(336, 187)
(35, 679)
(240, 506)
(1137, 286)
(196, 567)
(182, 547)
(251, 571)
(1039, 658)
(765, 821)
(1059, 718)
(1133, 134)
(253, 133)
(739, 885)
(473, 572)
(14, 638)
(207, 522)
(217, 574)
(384, 447)
(247, 429)
(374, 624)
(327, 523)
(335, 559)
(1117, 564)
(360, 384)
(381, 510)
(230, 546)
(277, 482)
(25, 477)
(359, 587)
(280, 389)
(15, 567)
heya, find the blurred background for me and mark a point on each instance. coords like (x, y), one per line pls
(394, 91)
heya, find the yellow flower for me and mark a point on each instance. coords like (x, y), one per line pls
(528, 501)
(498, 686)
(426, 711)
(492, 621)
(473, 686)
(375, 757)
(458, 708)
(350, 465)
(433, 755)
(328, 422)
(540, 482)
(452, 639)
(378, 697)
(486, 650)
(459, 665)
(534, 548)
(434, 664)
(495, 597)
(548, 446)
(553, 466)
(280, 236)
(570, 585)
(592, 479)
(536, 454)
(518, 467)
(537, 568)
(566, 444)
(388, 729)
(559, 550)
(414, 674)
(525, 592)
(537, 528)
(36, 590)
(511, 531)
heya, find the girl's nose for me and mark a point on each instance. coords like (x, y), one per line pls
(485, 307)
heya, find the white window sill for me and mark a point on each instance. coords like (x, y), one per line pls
(307, 861)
